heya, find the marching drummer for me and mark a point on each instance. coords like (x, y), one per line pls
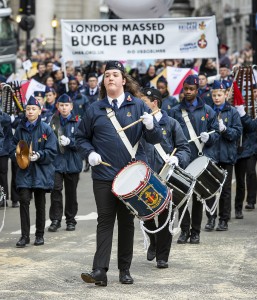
(38, 176)
(230, 128)
(99, 141)
(173, 137)
(196, 120)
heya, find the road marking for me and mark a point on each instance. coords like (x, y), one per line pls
(91, 216)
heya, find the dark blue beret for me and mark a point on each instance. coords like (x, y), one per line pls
(49, 90)
(227, 83)
(192, 80)
(33, 101)
(39, 94)
(64, 98)
(90, 75)
(114, 65)
(254, 86)
(162, 79)
(151, 92)
(73, 78)
(217, 85)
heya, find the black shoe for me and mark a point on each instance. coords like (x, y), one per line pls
(239, 214)
(23, 241)
(54, 226)
(70, 227)
(194, 238)
(222, 226)
(15, 204)
(87, 166)
(39, 241)
(210, 224)
(250, 206)
(184, 236)
(151, 252)
(162, 264)
(97, 276)
(125, 277)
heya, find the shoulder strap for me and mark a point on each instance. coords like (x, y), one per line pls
(191, 131)
(160, 150)
(132, 150)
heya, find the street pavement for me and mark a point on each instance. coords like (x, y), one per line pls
(222, 266)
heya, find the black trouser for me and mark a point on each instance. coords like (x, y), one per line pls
(196, 216)
(71, 203)
(251, 180)
(162, 239)
(40, 201)
(225, 197)
(240, 171)
(108, 206)
(14, 191)
(3, 174)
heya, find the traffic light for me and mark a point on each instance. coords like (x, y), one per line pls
(27, 7)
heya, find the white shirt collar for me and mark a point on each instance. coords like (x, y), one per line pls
(120, 99)
(158, 116)
(94, 90)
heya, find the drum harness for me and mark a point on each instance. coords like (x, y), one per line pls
(132, 151)
(199, 146)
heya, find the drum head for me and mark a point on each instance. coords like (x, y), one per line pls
(129, 178)
(197, 166)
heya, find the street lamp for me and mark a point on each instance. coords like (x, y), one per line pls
(18, 20)
(54, 24)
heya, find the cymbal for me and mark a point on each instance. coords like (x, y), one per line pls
(22, 154)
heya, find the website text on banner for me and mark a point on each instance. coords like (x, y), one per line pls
(139, 39)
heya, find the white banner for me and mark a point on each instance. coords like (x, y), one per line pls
(139, 39)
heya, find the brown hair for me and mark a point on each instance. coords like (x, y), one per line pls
(130, 86)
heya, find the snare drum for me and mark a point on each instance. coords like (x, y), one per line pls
(141, 190)
(181, 183)
(209, 177)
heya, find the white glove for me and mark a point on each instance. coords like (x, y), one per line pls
(171, 160)
(64, 141)
(94, 159)
(241, 110)
(204, 137)
(222, 126)
(35, 156)
(12, 118)
(147, 120)
(65, 80)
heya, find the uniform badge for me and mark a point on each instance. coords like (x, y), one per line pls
(39, 140)
(129, 98)
(72, 129)
(164, 132)
(208, 95)
(129, 114)
(203, 118)
(80, 106)
(169, 107)
(226, 120)
(53, 127)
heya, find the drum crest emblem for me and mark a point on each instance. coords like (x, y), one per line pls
(150, 197)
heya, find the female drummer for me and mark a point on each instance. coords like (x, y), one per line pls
(230, 128)
(98, 141)
(172, 137)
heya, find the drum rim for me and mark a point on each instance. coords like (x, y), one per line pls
(199, 174)
(141, 185)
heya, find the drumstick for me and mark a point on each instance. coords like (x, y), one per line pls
(136, 122)
(200, 136)
(105, 164)
(173, 152)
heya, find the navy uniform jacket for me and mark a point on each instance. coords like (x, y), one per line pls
(249, 137)
(169, 102)
(39, 174)
(226, 146)
(97, 133)
(46, 115)
(92, 98)
(80, 103)
(205, 95)
(172, 137)
(5, 133)
(70, 161)
(203, 119)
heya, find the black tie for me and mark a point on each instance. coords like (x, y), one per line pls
(92, 92)
(114, 104)
(30, 127)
